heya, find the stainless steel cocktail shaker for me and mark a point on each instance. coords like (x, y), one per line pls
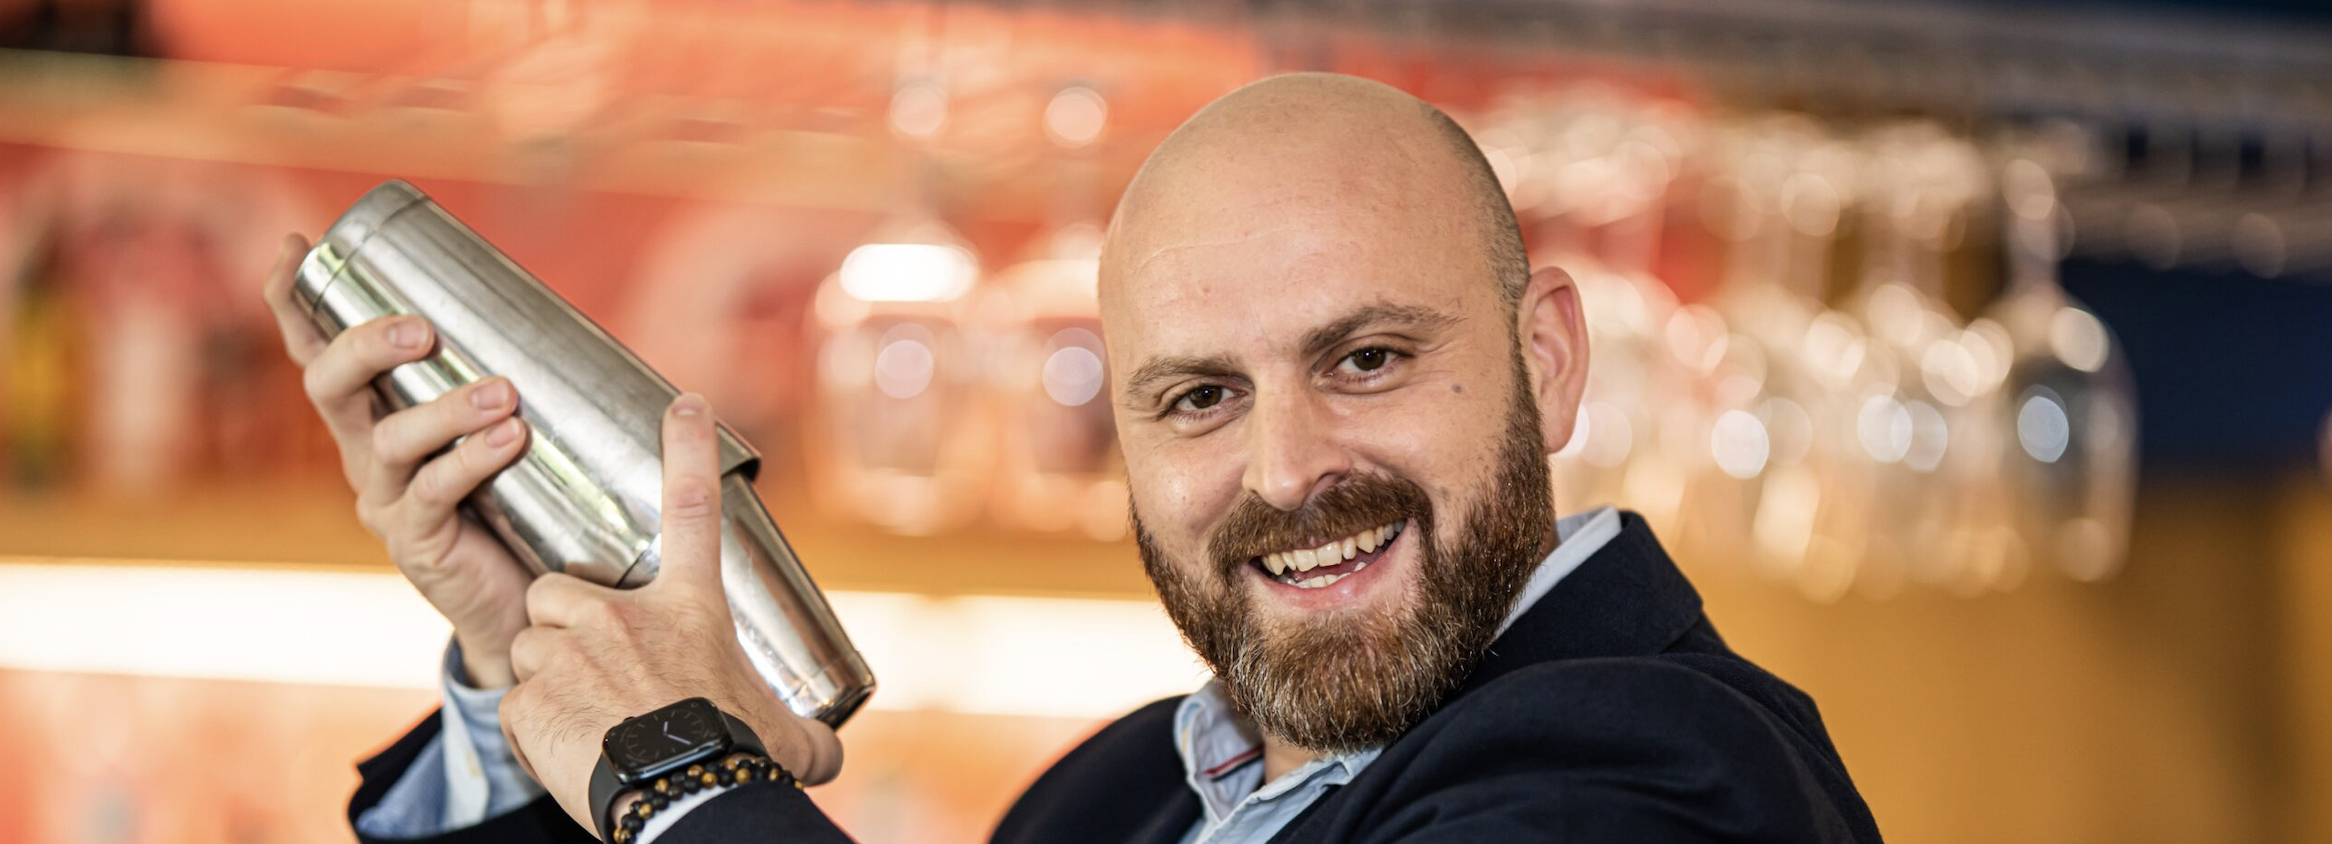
(585, 497)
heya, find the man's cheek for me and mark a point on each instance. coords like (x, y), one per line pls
(1167, 501)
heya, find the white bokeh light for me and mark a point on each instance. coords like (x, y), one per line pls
(1076, 116)
(1072, 375)
(1884, 427)
(2042, 427)
(903, 368)
(1739, 444)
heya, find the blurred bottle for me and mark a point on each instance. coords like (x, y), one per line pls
(900, 439)
(42, 365)
(1058, 469)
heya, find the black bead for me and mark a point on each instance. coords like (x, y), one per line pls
(659, 801)
(689, 785)
(631, 822)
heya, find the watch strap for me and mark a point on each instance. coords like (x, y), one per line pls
(741, 737)
(605, 786)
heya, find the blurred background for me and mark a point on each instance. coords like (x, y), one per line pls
(1973, 358)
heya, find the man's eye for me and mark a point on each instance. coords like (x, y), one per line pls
(1200, 399)
(1367, 360)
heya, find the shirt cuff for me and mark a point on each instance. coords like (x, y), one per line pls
(482, 774)
(672, 812)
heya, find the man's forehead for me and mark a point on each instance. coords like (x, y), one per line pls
(1269, 210)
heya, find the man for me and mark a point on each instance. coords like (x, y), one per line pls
(1336, 384)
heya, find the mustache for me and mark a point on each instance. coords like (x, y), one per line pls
(1359, 502)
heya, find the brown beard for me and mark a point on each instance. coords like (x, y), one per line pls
(1361, 679)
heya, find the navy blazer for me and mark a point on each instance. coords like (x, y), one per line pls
(1610, 712)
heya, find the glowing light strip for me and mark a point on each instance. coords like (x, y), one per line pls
(976, 654)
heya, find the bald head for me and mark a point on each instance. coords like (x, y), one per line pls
(1334, 152)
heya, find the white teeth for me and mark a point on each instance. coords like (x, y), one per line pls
(1322, 580)
(1286, 564)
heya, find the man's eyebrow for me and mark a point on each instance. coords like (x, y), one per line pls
(1159, 369)
(1319, 339)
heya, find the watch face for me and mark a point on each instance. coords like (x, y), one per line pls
(647, 746)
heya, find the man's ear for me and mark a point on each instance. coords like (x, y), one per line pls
(1553, 332)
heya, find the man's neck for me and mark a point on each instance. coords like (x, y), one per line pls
(1280, 757)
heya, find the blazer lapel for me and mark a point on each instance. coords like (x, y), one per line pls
(1627, 599)
(1169, 823)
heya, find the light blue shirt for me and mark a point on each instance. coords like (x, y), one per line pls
(465, 775)
(1222, 755)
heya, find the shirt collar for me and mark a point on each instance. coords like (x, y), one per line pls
(1222, 754)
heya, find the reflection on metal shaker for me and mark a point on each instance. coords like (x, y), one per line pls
(585, 497)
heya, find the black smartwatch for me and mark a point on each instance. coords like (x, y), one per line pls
(673, 737)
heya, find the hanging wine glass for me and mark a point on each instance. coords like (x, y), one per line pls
(1970, 543)
(2069, 402)
(1580, 175)
(1779, 198)
(1897, 420)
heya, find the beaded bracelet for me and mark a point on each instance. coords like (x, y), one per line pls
(737, 770)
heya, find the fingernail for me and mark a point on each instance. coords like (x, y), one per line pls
(490, 395)
(406, 334)
(689, 405)
(503, 434)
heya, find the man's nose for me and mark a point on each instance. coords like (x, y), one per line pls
(1292, 454)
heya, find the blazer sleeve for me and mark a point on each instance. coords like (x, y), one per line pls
(757, 812)
(538, 822)
(760, 812)
(1604, 750)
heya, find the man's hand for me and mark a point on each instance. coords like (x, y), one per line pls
(407, 481)
(596, 655)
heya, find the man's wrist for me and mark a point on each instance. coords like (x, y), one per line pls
(627, 800)
(485, 668)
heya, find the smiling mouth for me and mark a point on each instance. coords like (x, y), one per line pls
(1316, 568)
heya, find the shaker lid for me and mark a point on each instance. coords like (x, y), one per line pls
(348, 234)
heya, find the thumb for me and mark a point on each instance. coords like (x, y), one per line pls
(692, 496)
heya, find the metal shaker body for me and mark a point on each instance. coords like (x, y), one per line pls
(585, 497)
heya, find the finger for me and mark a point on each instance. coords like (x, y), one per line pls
(301, 339)
(692, 495)
(531, 649)
(441, 484)
(511, 713)
(339, 381)
(564, 600)
(402, 440)
(814, 754)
